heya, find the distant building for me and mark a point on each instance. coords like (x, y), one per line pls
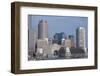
(42, 44)
(67, 43)
(58, 37)
(39, 53)
(80, 37)
(55, 47)
(77, 53)
(32, 37)
(63, 42)
(71, 37)
(62, 52)
(43, 29)
(68, 53)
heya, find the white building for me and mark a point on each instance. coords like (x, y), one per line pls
(80, 37)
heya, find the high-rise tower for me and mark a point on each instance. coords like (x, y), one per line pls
(43, 30)
(80, 37)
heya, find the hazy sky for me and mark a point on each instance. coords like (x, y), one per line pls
(56, 24)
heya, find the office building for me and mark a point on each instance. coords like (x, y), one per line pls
(58, 37)
(42, 29)
(80, 37)
(32, 37)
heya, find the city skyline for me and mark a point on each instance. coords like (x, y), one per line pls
(59, 45)
(57, 24)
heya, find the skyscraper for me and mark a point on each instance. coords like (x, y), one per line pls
(43, 29)
(80, 37)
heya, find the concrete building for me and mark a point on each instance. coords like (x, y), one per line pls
(42, 29)
(80, 37)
